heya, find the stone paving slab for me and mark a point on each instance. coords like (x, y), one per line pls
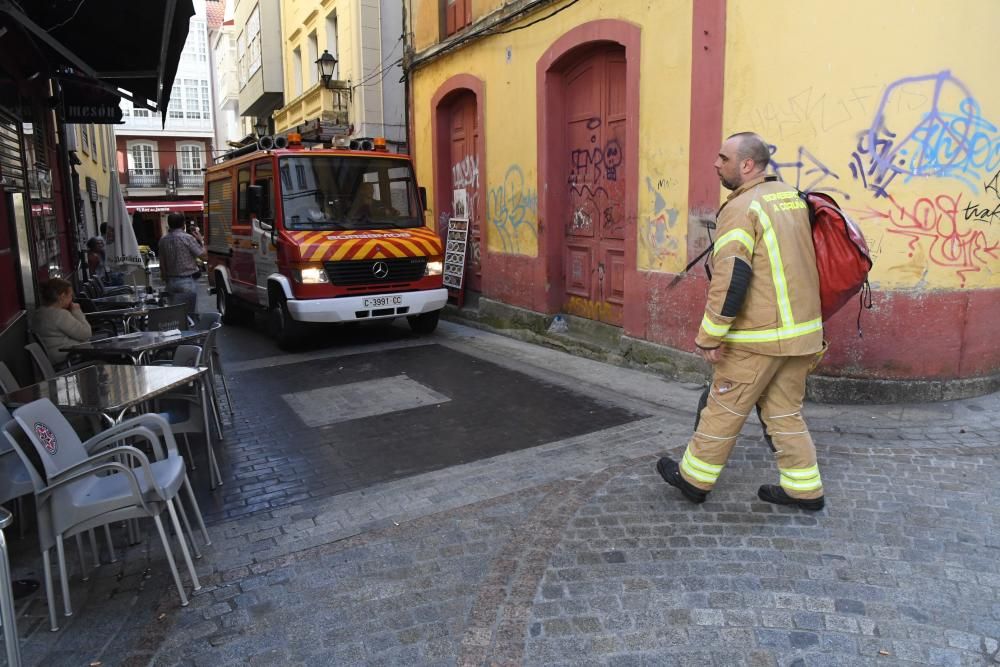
(575, 552)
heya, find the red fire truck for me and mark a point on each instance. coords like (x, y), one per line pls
(320, 236)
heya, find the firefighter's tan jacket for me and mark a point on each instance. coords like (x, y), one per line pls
(765, 224)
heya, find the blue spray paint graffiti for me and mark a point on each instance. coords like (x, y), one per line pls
(513, 211)
(951, 139)
(654, 234)
(807, 173)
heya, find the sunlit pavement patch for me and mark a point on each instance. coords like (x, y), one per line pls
(369, 398)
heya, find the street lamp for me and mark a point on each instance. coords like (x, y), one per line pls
(324, 65)
(260, 126)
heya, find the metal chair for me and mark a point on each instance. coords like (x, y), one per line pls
(184, 409)
(8, 382)
(43, 366)
(212, 322)
(86, 490)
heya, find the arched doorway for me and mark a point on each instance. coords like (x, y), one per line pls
(594, 218)
(464, 184)
(588, 161)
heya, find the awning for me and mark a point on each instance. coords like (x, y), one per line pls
(164, 206)
(102, 41)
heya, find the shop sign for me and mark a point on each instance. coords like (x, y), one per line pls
(93, 113)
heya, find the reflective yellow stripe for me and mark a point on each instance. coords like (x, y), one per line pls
(814, 485)
(770, 335)
(737, 235)
(777, 268)
(801, 479)
(801, 473)
(700, 470)
(713, 329)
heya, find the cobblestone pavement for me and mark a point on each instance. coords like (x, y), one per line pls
(575, 552)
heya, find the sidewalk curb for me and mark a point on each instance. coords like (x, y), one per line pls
(532, 327)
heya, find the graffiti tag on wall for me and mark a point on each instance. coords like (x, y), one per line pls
(513, 213)
(657, 243)
(943, 136)
(935, 220)
(595, 186)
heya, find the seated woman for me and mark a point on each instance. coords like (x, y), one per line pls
(59, 322)
(96, 259)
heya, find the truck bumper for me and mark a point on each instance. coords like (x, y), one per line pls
(355, 309)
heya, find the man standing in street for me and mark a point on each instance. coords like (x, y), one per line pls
(178, 266)
(762, 331)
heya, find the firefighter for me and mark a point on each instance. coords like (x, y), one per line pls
(762, 331)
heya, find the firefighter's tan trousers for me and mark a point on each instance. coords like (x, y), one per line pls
(777, 385)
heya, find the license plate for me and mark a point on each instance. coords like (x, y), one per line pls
(383, 301)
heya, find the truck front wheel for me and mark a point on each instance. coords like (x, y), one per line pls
(425, 323)
(232, 312)
(286, 331)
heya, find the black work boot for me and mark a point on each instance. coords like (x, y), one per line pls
(671, 474)
(772, 493)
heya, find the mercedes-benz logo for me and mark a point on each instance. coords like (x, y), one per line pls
(380, 270)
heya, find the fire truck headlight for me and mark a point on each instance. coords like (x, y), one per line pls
(310, 275)
(434, 268)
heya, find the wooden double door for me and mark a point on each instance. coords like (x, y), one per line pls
(594, 217)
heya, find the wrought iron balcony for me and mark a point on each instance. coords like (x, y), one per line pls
(164, 178)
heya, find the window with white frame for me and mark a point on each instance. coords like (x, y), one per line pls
(313, 42)
(241, 58)
(195, 48)
(191, 162)
(142, 170)
(297, 72)
(190, 99)
(139, 112)
(84, 139)
(253, 42)
(331, 41)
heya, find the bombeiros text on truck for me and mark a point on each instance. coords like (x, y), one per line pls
(320, 235)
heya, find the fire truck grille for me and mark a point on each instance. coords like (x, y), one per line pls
(375, 271)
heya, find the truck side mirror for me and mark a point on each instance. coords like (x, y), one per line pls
(422, 191)
(255, 198)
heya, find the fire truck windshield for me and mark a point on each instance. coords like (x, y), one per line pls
(332, 192)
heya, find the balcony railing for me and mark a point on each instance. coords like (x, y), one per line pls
(147, 178)
(164, 178)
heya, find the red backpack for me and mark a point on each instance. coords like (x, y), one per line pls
(842, 255)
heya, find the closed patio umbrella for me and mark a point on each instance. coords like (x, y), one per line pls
(121, 248)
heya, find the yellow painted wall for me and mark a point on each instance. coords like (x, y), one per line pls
(812, 81)
(511, 123)
(299, 18)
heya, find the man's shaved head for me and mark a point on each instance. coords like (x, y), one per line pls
(752, 146)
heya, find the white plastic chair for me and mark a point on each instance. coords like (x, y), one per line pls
(85, 490)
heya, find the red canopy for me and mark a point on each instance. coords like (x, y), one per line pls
(164, 206)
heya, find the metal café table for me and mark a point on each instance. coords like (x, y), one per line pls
(115, 315)
(109, 391)
(121, 300)
(136, 346)
(105, 390)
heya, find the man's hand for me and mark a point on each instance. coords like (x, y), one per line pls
(74, 307)
(712, 356)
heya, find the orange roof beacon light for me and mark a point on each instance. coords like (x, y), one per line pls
(294, 139)
(379, 144)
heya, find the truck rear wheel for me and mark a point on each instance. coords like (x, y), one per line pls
(425, 323)
(286, 331)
